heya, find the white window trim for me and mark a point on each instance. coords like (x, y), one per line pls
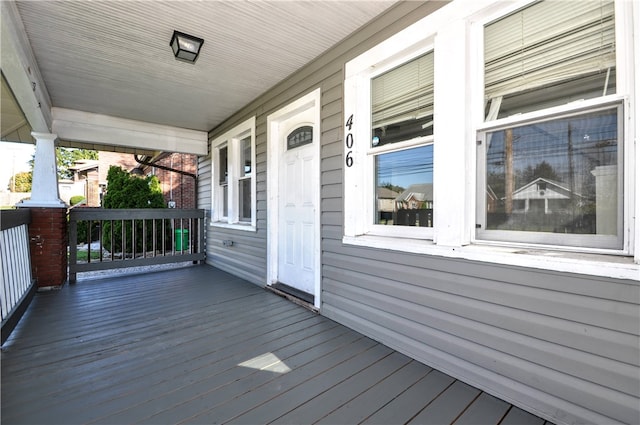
(454, 232)
(359, 178)
(231, 139)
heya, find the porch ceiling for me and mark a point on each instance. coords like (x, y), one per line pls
(113, 57)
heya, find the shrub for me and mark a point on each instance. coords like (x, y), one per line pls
(127, 191)
(75, 200)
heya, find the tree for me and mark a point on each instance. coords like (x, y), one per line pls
(125, 190)
(66, 157)
(21, 182)
(392, 187)
(128, 191)
(541, 170)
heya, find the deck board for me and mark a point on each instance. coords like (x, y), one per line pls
(198, 345)
(448, 406)
(485, 409)
(363, 404)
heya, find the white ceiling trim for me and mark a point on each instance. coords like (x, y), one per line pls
(113, 57)
(20, 70)
(86, 127)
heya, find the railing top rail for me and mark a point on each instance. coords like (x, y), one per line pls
(130, 214)
(14, 218)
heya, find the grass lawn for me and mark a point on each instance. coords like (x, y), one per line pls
(82, 255)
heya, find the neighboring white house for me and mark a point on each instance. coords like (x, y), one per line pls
(545, 196)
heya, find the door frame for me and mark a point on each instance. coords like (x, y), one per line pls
(275, 148)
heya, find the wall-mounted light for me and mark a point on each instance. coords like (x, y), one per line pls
(185, 47)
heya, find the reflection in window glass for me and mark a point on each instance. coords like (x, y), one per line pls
(402, 102)
(223, 166)
(223, 178)
(225, 200)
(244, 184)
(404, 187)
(245, 158)
(244, 199)
(557, 176)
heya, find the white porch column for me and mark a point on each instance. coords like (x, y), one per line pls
(44, 187)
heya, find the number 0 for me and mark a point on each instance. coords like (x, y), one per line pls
(349, 141)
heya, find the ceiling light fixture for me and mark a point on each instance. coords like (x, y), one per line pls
(185, 47)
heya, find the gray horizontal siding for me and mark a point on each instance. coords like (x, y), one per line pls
(548, 341)
(204, 183)
(561, 345)
(560, 349)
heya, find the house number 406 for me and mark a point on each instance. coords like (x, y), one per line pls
(349, 141)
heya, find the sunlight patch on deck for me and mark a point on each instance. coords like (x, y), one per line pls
(267, 361)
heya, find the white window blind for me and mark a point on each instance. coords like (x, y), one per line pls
(404, 93)
(548, 43)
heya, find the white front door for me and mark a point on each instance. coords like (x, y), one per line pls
(299, 185)
(295, 239)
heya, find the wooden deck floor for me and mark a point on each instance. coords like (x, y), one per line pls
(197, 345)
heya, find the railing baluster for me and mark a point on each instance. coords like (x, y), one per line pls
(88, 241)
(112, 247)
(100, 237)
(164, 241)
(133, 238)
(179, 222)
(144, 238)
(154, 237)
(73, 247)
(123, 242)
(16, 284)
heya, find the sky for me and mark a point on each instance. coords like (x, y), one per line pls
(14, 158)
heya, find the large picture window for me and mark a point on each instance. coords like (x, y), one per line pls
(558, 180)
(234, 189)
(553, 173)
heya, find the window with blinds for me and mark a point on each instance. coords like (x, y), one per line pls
(402, 111)
(402, 102)
(548, 54)
(556, 178)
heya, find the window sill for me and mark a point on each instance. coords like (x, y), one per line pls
(236, 226)
(612, 266)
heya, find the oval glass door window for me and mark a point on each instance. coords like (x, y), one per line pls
(299, 137)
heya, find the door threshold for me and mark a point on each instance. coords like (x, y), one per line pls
(294, 295)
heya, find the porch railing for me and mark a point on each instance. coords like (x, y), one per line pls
(18, 285)
(103, 239)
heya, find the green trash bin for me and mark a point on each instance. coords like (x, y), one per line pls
(182, 239)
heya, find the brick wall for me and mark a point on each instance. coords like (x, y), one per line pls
(106, 159)
(177, 187)
(48, 242)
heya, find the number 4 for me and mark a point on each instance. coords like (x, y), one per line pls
(349, 122)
